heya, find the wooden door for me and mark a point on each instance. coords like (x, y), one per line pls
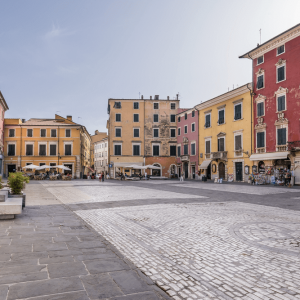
(222, 170)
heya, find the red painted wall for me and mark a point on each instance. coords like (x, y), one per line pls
(164, 161)
(292, 83)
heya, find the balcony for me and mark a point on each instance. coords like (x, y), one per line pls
(293, 146)
(219, 155)
(261, 150)
(281, 148)
(184, 158)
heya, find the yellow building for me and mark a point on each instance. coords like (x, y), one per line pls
(58, 141)
(125, 134)
(225, 135)
(97, 137)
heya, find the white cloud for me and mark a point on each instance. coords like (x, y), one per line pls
(57, 32)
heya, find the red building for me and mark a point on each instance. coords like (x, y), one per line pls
(276, 104)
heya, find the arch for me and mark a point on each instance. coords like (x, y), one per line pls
(156, 172)
(172, 170)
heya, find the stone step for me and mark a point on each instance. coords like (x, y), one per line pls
(10, 208)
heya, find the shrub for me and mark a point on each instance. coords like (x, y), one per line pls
(15, 181)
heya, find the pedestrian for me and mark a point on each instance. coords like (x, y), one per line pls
(146, 175)
(181, 178)
(121, 175)
(102, 175)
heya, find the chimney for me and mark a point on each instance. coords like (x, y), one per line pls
(69, 118)
(177, 95)
(23, 120)
(96, 132)
(142, 97)
(150, 97)
(168, 98)
(156, 97)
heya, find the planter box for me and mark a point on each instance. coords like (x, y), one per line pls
(23, 196)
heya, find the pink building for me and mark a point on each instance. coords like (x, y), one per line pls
(187, 143)
(3, 109)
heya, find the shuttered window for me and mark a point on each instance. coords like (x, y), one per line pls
(155, 132)
(260, 143)
(172, 118)
(136, 132)
(52, 149)
(155, 118)
(11, 132)
(179, 131)
(68, 150)
(221, 116)
(136, 118)
(238, 142)
(42, 150)
(53, 132)
(173, 132)
(260, 109)
(185, 149)
(207, 147)
(136, 150)
(118, 132)
(172, 150)
(117, 149)
(193, 149)
(29, 149)
(221, 143)
(193, 127)
(238, 111)
(281, 136)
(11, 150)
(281, 73)
(68, 132)
(43, 132)
(135, 105)
(281, 103)
(179, 151)
(185, 129)
(260, 60)
(118, 117)
(280, 49)
(207, 121)
(29, 132)
(260, 82)
(155, 105)
(155, 150)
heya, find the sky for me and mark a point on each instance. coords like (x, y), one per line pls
(69, 57)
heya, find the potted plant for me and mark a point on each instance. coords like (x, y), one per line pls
(16, 183)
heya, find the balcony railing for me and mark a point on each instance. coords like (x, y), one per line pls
(207, 155)
(260, 150)
(281, 148)
(219, 155)
(184, 157)
(293, 146)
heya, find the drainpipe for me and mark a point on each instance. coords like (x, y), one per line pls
(57, 144)
(21, 148)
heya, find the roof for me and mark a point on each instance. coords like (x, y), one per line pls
(261, 48)
(47, 122)
(3, 102)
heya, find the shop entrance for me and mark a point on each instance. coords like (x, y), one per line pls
(11, 169)
(179, 172)
(239, 171)
(221, 170)
(186, 170)
(193, 172)
(208, 172)
(70, 167)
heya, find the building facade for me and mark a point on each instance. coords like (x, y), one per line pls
(141, 132)
(101, 155)
(187, 143)
(225, 141)
(98, 136)
(3, 109)
(46, 142)
(276, 103)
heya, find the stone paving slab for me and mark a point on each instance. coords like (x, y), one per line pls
(48, 253)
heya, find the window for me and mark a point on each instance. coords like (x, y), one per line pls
(29, 132)
(173, 105)
(178, 119)
(155, 118)
(53, 132)
(260, 60)
(178, 150)
(221, 117)
(118, 132)
(193, 149)
(281, 136)
(185, 129)
(118, 117)
(135, 105)
(52, 149)
(68, 132)
(207, 120)
(207, 147)
(118, 149)
(52, 165)
(238, 142)
(193, 127)
(238, 111)
(185, 116)
(260, 109)
(155, 132)
(42, 150)
(135, 117)
(260, 82)
(11, 150)
(136, 150)
(280, 73)
(117, 105)
(11, 133)
(193, 114)
(136, 132)
(221, 144)
(29, 149)
(155, 105)
(155, 150)
(280, 50)
(186, 149)
(68, 149)
(172, 150)
(260, 140)
(173, 132)
(178, 133)
(43, 132)
(281, 103)
(172, 118)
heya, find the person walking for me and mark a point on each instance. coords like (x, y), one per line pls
(146, 175)
(181, 178)
(102, 175)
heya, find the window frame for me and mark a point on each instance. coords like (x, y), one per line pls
(186, 146)
(222, 137)
(257, 76)
(52, 130)
(29, 144)
(13, 130)
(154, 145)
(174, 117)
(42, 144)
(285, 102)
(172, 130)
(185, 129)
(154, 129)
(138, 118)
(283, 65)
(193, 143)
(205, 115)
(258, 102)
(117, 144)
(185, 116)
(193, 113)
(116, 131)
(28, 129)
(178, 152)
(263, 60)
(41, 132)
(10, 144)
(138, 105)
(194, 123)
(221, 109)
(154, 118)
(242, 145)
(277, 54)
(68, 144)
(118, 114)
(49, 149)
(154, 103)
(136, 144)
(178, 131)
(66, 132)
(172, 103)
(175, 151)
(234, 106)
(179, 119)
(257, 132)
(285, 126)
(138, 132)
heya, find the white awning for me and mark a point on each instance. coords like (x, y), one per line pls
(269, 156)
(205, 164)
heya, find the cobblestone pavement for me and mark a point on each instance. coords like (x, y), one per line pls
(204, 247)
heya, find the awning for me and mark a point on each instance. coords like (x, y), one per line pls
(205, 164)
(269, 156)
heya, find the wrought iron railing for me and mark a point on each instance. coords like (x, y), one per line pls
(292, 146)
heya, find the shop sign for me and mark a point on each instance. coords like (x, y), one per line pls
(230, 178)
(246, 170)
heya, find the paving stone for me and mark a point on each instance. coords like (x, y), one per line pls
(30, 241)
(86, 257)
(65, 296)
(28, 255)
(139, 296)
(5, 241)
(81, 245)
(4, 257)
(106, 265)
(45, 261)
(65, 239)
(22, 269)
(64, 253)
(16, 278)
(100, 286)
(66, 269)
(49, 247)
(8, 264)
(44, 287)
(15, 249)
(3, 292)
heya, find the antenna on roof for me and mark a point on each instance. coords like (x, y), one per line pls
(139, 95)
(260, 36)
